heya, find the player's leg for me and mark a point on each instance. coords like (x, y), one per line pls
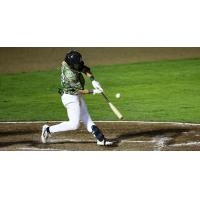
(85, 116)
(90, 125)
(72, 105)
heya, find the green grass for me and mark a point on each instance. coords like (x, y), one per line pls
(150, 91)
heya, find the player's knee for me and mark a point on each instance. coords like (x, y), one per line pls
(75, 125)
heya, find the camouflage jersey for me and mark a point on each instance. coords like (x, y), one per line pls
(72, 81)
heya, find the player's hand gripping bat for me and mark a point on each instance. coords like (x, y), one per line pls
(112, 107)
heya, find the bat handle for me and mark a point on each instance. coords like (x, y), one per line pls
(105, 97)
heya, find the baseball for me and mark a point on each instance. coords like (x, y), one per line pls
(117, 95)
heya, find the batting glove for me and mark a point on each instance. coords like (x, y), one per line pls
(97, 85)
(96, 91)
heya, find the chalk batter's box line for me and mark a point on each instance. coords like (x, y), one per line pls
(136, 122)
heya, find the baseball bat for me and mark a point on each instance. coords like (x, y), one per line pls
(112, 107)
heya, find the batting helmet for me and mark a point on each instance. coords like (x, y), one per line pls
(74, 60)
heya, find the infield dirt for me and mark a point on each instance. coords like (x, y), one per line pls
(128, 136)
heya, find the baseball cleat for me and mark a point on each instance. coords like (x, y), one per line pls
(104, 143)
(45, 134)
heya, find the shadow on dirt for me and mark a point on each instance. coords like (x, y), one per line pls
(16, 132)
(27, 142)
(64, 142)
(35, 142)
(172, 133)
(50, 144)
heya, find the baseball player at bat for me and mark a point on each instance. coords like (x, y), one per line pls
(72, 91)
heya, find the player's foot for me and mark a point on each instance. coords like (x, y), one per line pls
(104, 142)
(45, 134)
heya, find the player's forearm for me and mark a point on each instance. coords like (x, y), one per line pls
(86, 91)
(94, 91)
(90, 76)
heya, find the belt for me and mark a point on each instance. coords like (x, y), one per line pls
(61, 92)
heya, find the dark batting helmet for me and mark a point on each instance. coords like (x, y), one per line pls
(74, 60)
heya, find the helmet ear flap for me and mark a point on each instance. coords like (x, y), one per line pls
(82, 63)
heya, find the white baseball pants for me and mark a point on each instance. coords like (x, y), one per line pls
(77, 111)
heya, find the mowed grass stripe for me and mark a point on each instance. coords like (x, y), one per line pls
(150, 91)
